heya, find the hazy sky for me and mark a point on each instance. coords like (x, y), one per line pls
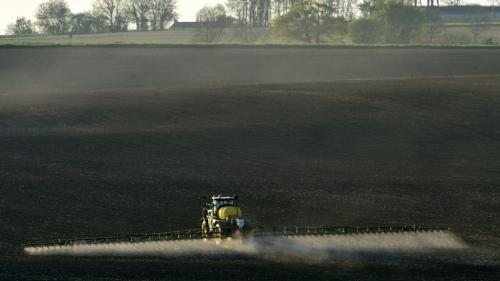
(10, 10)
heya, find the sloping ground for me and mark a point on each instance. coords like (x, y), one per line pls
(152, 37)
(170, 36)
(448, 33)
(76, 69)
(342, 153)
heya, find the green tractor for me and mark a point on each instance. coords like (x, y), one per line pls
(222, 218)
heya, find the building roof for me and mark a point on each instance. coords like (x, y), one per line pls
(467, 12)
(185, 24)
(464, 8)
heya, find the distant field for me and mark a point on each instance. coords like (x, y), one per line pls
(177, 36)
(453, 33)
(168, 36)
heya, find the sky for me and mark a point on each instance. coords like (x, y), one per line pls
(12, 9)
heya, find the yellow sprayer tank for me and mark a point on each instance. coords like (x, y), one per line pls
(229, 212)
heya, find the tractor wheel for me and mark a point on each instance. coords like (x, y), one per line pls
(204, 230)
(218, 232)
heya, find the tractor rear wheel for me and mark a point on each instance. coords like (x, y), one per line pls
(218, 232)
(204, 230)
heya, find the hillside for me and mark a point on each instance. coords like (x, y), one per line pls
(451, 33)
(341, 153)
(170, 36)
(98, 141)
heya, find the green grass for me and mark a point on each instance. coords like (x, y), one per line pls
(189, 38)
(243, 45)
(470, 23)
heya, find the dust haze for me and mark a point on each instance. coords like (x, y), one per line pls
(307, 248)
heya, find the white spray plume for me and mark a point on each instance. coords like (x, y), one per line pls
(319, 247)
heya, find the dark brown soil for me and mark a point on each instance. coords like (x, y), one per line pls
(111, 162)
(237, 269)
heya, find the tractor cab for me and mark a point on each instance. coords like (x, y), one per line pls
(220, 201)
(222, 217)
(224, 207)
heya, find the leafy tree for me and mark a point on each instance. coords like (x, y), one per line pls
(54, 17)
(22, 26)
(308, 21)
(82, 23)
(402, 22)
(399, 23)
(114, 13)
(366, 30)
(213, 21)
(86, 22)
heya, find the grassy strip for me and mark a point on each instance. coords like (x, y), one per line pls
(467, 24)
(236, 45)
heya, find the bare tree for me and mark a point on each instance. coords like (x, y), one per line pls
(162, 12)
(432, 3)
(454, 2)
(476, 29)
(343, 8)
(434, 25)
(239, 8)
(259, 13)
(279, 7)
(213, 21)
(256, 13)
(367, 7)
(139, 11)
(113, 11)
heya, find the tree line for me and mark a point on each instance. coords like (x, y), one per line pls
(260, 13)
(55, 17)
(312, 21)
(303, 19)
(316, 21)
(362, 21)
